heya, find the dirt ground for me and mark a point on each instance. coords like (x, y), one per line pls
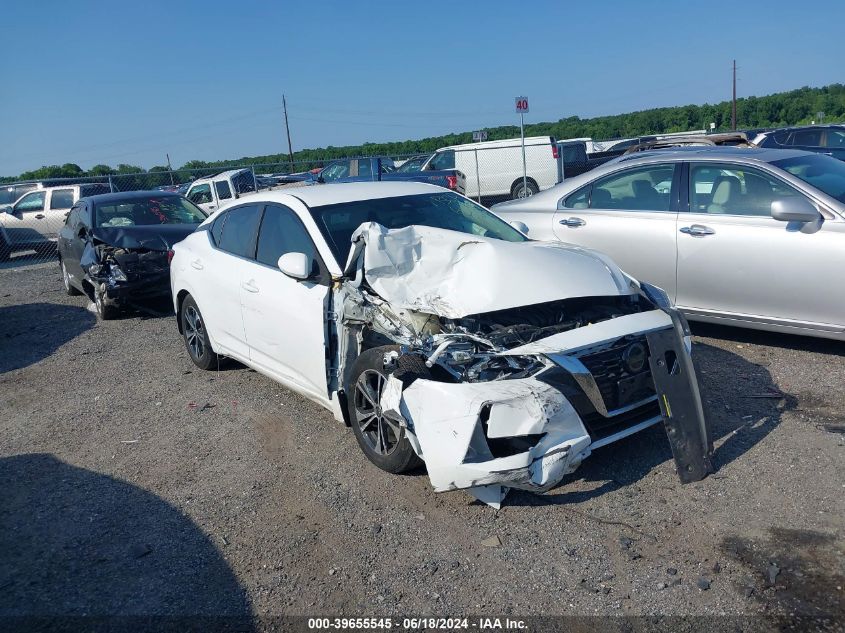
(132, 483)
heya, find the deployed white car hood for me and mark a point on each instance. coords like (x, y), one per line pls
(454, 274)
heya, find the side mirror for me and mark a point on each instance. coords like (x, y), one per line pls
(295, 265)
(794, 209)
(7, 209)
(522, 227)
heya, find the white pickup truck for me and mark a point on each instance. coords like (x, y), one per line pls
(212, 192)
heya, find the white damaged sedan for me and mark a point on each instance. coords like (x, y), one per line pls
(440, 333)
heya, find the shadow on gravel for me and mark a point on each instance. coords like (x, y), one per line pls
(743, 406)
(76, 543)
(770, 339)
(799, 572)
(33, 331)
(28, 259)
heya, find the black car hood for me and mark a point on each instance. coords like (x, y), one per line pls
(153, 237)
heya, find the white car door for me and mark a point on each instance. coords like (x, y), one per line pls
(629, 215)
(59, 203)
(285, 318)
(218, 269)
(735, 259)
(26, 223)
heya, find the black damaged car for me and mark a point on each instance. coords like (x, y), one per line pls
(114, 247)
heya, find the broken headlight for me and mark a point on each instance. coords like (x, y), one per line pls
(116, 274)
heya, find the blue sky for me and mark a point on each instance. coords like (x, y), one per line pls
(126, 82)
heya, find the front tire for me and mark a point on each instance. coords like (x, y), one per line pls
(382, 439)
(196, 336)
(70, 289)
(524, 190)
(105, 310)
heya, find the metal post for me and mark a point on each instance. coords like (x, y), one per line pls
(254, 179)
(111, 184)
(524, 167)
(477, 177)
(170, 169)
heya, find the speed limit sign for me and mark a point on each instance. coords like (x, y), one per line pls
(521, 105)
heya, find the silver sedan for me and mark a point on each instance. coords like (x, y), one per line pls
(742, 236)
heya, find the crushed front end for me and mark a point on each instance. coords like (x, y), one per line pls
(124, 275)
(518, 397)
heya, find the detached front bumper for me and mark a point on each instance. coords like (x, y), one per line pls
(527, 433)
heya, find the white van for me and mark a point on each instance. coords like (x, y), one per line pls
(498, 172)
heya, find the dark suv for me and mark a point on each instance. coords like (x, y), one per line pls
(822, 139)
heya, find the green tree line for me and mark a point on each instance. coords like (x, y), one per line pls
(794, 107)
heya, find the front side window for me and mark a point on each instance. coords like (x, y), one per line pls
(32, 201)
(445, 210)
(443, 160)
(223, 190)
(201, 194)
(282, 232)
(412, 164)
(335, 171)
(734, 190)
(638, 189)
(61, 199)
(835, 139)
(239, 229)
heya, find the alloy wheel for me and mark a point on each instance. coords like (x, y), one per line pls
(380, 433)
(194, 332)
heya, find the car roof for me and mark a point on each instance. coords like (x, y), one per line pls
(335, 193)
(507, 142)
(835, 126)
(130, 195)
(223, 174)
(766, 155)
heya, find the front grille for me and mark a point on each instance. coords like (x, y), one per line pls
(619, 386)
(600, 427)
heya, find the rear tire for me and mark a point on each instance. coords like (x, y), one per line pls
(70, 289)
(196, 336)
(519, 191)
(382, 440)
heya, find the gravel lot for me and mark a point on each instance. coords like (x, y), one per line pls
(132, 483)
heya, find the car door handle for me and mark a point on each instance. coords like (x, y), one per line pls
(197, 264)
(697, 230)
(573, 222)
(249, 286)
(40, 216)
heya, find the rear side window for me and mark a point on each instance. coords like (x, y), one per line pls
(239, 230)
(579, 199)
(243, 182)
(365, 168)
(640, 189)
(223, 190)
(282, 232)
(61, 199)
(807, 138)
(216, 229)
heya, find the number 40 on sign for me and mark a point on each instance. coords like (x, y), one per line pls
(521, 104)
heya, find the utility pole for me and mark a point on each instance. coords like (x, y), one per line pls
(733, 102)
(170, 169)
(287, 129)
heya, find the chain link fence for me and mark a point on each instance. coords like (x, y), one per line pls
(33, 213)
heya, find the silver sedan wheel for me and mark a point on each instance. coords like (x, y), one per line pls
(194, 332)
(380, 433)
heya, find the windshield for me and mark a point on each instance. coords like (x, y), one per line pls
(148, 211)
(412, 164)
(822, 172)
(445, 210)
